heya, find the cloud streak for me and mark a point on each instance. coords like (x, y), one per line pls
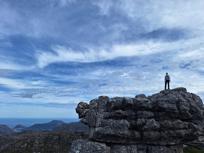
(62, 54)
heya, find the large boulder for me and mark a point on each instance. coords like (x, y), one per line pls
(167, 118)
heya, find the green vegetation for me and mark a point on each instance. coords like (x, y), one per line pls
(193, 150)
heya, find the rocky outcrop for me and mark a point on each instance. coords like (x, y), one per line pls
(84, 146)
(164, 121)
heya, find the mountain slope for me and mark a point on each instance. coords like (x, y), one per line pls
(72, 127)
(50, 126)
(5, 130)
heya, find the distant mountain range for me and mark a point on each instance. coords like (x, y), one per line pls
(5, 130)
(51, 137)
(50, 126)
(54, 125)
(19, 128)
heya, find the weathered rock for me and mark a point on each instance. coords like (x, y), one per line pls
(83, 146)
(82, 109)
(168, 118)
(146, 149)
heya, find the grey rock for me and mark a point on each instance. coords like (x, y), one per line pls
(145, 114)
(151, 124)
(151, 136)
(124, 149)
(174, 124)
(140, 96)
(168, 118)
(82, 109)
(84, 146)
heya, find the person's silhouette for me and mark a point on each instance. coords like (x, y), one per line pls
(167, 81)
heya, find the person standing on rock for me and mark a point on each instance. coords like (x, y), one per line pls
(167, 81)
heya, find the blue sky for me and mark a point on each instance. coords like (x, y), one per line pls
(55, 53)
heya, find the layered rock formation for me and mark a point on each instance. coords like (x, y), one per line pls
(160, 123)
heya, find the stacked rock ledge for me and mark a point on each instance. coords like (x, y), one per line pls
(160, 123)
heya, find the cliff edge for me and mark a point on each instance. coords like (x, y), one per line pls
(160, 123)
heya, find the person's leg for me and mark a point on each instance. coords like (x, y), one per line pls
(165, 85)
(168, 85)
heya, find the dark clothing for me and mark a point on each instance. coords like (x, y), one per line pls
(167, 82)
(167, 77)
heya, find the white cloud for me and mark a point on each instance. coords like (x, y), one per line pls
(190, 80)
(13, 66)
(13, 83)
(193, 54)
(21, 84)
(170, 13)
(62, 54)
(66, 2)
(11, 20)
(104, 6)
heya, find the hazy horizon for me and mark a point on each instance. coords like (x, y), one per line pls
(56, 53)
(12, 122)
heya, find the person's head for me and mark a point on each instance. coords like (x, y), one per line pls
(166, 73)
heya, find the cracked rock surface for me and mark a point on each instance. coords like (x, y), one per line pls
(168, 118)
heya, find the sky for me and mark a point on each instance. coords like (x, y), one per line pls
(56, 53)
